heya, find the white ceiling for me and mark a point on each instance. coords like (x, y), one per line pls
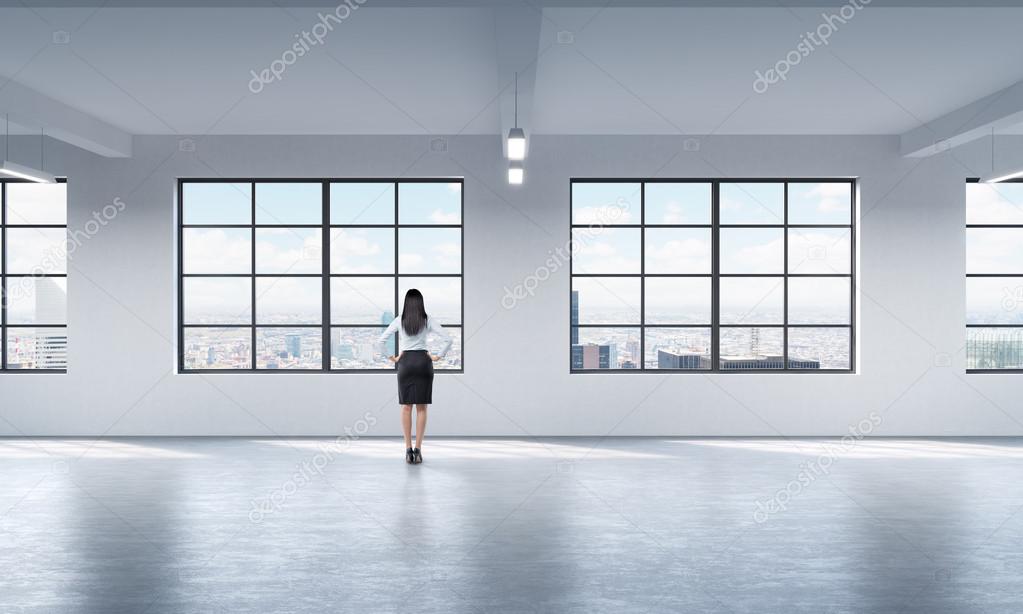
(434, 70)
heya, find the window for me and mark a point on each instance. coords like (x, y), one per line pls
(304, 275)
(33, 264)
(709, 275)
(994, 276)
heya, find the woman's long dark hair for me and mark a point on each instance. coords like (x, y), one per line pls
(413, 314)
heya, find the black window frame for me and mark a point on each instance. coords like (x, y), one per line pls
(326, 325)
(990, 275)
(715, 275)
(4, 326)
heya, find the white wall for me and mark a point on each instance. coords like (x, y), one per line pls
(121, 379)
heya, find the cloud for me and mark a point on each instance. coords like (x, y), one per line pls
(440, 217)
(287, 250)
(833, 196)
(356, 251)
(603, 214)
(679, 256)
(410, 262)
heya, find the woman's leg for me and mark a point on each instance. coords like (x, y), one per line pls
(420, 425)
(406, 424)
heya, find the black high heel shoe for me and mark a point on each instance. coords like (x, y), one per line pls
(417, 456)
(410, 456)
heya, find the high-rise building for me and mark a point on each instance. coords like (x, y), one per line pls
(51, 301)
(735, 363)
(593, 356)
(51, 308)
(575, 317)
(632, 347)
(51, 350)
(293, 344)
(995, 349)
(681, 360)
(386, 320)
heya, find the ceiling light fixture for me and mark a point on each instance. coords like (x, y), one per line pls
(516, 136)
(19, 171)
(516, 173)
(1001, 176)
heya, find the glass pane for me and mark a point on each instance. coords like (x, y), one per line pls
(605, 348)
(606, 300)
(819, 300)
(362, 300)
(994, 300)
(217, 300)
(453, 360)
(441, 295)
(751, 348)
(356, 348)
(752, 250)
(37, 300)
(678, 250)
(820, 250)
(430, 203)
(218, 348)
(289, 348)
(678, 203)
(819, 348)
(37, 348)
(362, 250)
(678, 300)
(678, 348)
(752, 300)
(605, 250)
(217, 250)
(289, 203)
(36, 251)
(288, 250)
(39, 203)
(994, 203)
(820, 203)
(988, 250)
(430, 250)
(217, 203)
(605, 204)
(994, 348)
(361, 203)
(752, 203)
(288, 300)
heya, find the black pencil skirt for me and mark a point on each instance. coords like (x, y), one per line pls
(415, 378)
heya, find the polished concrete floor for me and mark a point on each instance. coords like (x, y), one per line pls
(501, 525)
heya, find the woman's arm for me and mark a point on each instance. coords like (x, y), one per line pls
(382, 339)
(438, 330)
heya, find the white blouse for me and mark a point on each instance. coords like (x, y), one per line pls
(414, 342)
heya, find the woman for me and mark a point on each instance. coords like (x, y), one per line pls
(415, 367)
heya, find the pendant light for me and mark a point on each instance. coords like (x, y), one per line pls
(19, 171)
(516, 136)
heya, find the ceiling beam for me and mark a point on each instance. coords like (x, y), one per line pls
(518, 42)
(969, 123)
(28, 107)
